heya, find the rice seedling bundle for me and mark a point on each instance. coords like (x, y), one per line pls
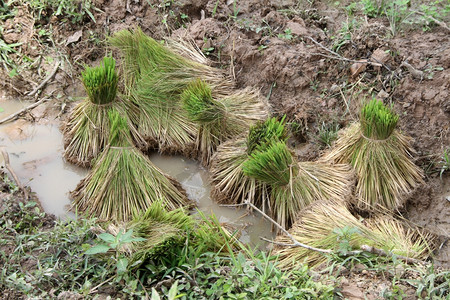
(381, 157)
(86, 132)
(218, 120)
(124, 182)
(294, 185)
(156, 77)
(166, 233)
(231, 185)
(327, 224)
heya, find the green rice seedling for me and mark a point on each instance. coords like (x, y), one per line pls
(294, 185)
(330, 225)
(264, 133)
(381, 157)
(274, 164)
(231, 185)
(86, 132)
(124, 182)
(218, 120)
(101, 82)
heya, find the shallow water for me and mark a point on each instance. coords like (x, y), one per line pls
(195, 180)
(35, 153)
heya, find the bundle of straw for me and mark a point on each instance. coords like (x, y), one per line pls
(166, 233)
(87, 130)
(123, 182)
(218, 120)
(155, 79)
(231, 185)
(381, 157)
(294, 185)
(328, 224)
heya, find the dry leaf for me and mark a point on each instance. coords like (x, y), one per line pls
(358, 67)
(74, 37)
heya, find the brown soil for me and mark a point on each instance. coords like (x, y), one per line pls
(300, 79)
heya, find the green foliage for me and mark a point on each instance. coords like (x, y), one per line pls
(5, 51)
(328, 133)
(200, 105)
(445, 162)
(344, 236)
(115, 243)
(255, 276)
(377, 120)
(273, 164)
(344, 35)
(101, 82)
(287, 34)
(262, 134)
(40, 254)
(399, 12)
(172, 294)
(430, 283)
(72, 10)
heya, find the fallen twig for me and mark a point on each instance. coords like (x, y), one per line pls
(294, 241)
(381, 252)
(44, 82)
(335, 55)
(13, 174)
(414, 72)
(15, 115)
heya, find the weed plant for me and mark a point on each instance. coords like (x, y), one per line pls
(123, 181)
(381, 157)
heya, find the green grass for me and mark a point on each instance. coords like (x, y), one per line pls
(45, 258)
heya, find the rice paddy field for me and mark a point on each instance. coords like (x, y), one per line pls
(224, 149)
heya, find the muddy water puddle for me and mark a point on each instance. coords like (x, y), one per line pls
(195, 180)
(35, 152)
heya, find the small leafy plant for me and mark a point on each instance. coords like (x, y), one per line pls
(115, 243)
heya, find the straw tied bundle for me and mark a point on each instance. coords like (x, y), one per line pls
(329, 226)
(381, 157)
(87, 131)
(123, 181)
(231, 185)
(294, 185)
(219, 119)
(264, 172)
(172, 91)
